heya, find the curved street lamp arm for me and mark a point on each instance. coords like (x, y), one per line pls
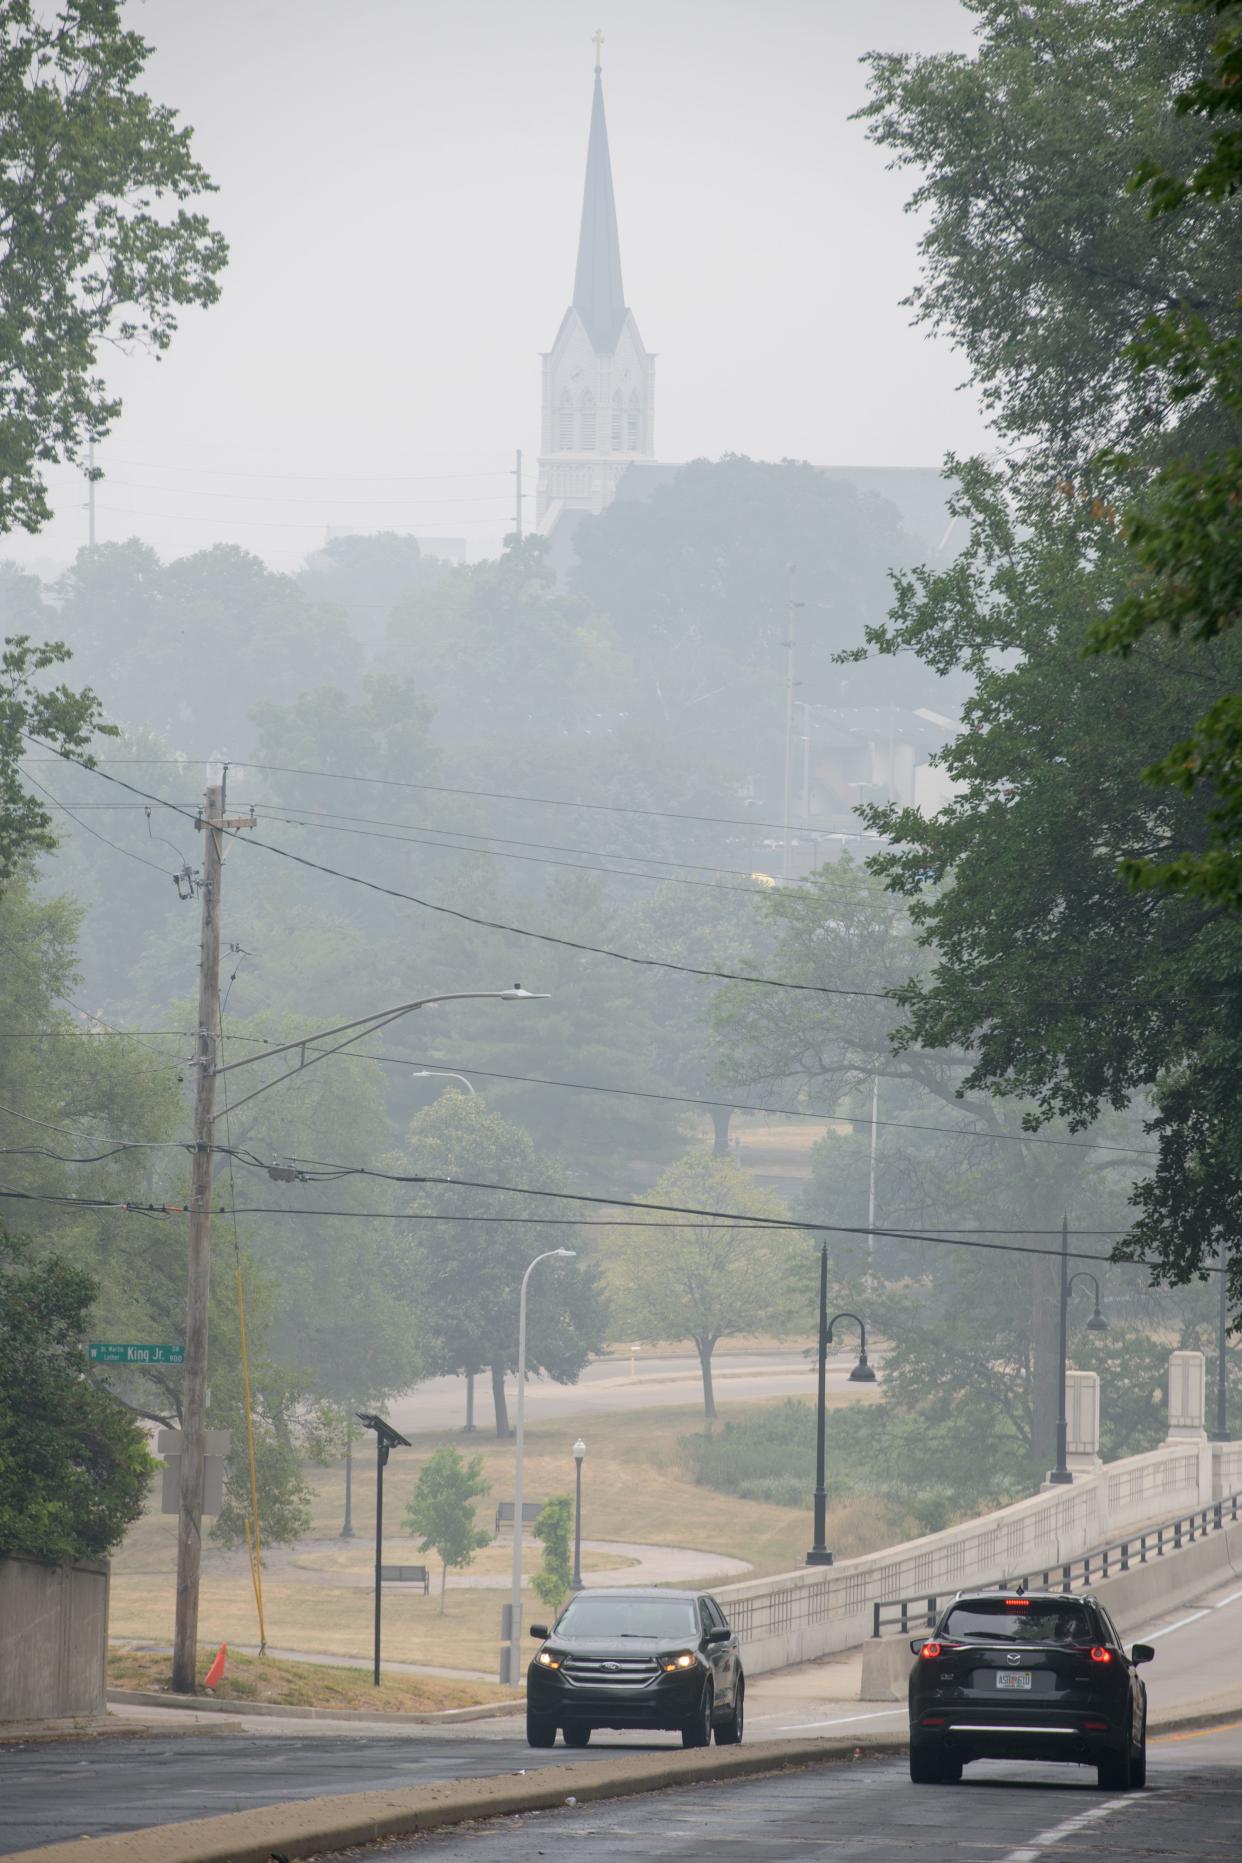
(1084, 1274)
(861, 1325)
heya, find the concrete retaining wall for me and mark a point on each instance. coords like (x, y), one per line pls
(1134, 1599)
(814, 1612)
(53, 1640)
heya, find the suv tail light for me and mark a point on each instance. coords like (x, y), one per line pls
(1098, 1654)
(930, 1651)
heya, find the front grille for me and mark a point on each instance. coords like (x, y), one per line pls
(611, 1672)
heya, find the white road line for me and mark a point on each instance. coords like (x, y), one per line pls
(1031, 1852)
(1231, 1599)
(1179, 1625)
(847, 1720)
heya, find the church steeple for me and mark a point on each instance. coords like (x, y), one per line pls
(598, 297)
(598, 379)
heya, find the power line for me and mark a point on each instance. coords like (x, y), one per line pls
(128, 852)
(471, 918)
(737, 1221)
(278, 498)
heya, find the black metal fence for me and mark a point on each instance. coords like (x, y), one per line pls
(904, 1614)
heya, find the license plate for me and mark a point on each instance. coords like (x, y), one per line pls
(1021, 1680)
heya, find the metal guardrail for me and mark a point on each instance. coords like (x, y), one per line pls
(903, 1614)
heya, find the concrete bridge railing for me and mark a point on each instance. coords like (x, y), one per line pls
(817, 1611)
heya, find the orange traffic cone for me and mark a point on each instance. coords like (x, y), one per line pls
(216, 1671)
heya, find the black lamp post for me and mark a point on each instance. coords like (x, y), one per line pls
(861, 1374)
(1060, 1477)
(575, 1583)
(1221, 1433)
(386, 1438)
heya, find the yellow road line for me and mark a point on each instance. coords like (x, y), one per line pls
(1197, 1733)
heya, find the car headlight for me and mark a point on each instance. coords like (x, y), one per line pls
(684, 1660)
(547, 1662)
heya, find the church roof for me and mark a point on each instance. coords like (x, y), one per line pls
(598, 296)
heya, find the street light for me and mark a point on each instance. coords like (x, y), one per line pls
(575, 1583)
(515, 1586)
(861, 1374)
(386, 1438)
(1060, 1476)
(305, 1053)
(440, 1073)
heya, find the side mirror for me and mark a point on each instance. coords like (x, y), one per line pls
(539, 1630)
(1142, 1652)
(718, 1636)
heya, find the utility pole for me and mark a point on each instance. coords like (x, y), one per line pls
(790, 643)
(517, 515)
(90, 492)
(198, 1280)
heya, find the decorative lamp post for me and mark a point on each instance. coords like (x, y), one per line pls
(1060, 1476)
(386, 1438)
(575, 1583)
(861, 1374)
(515, 1584)
(347, 1525)
(1221, 1433)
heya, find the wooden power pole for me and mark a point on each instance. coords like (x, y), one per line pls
(198, 1284)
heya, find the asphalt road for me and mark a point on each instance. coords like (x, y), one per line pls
(868, 1812)
(75, 1788)
(606, 1386)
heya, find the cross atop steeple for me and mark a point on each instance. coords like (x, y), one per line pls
(598, 43)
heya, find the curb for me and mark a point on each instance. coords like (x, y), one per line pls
(1189, 1723)
(229, 1704)
(315, 1826)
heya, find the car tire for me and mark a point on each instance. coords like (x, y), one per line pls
(929, 1767)
(729, 1732)
(1115, 1771)
(697, 1732)
(540, 1730)
(576, 1736)
(1138, 1765)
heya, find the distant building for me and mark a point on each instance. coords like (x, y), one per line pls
(598, 379)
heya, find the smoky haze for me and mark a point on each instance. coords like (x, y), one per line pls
(400, 184)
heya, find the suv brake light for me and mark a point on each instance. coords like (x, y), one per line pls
(1099, 1654)
(931, 1651)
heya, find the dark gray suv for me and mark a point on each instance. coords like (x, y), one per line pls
(1043, 1676)
(650, 1659)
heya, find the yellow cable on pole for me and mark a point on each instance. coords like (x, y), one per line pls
(255, 1550)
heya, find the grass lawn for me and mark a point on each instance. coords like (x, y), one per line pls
(306, 1685)
(634, 1490)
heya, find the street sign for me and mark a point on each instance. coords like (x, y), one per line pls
(106, 1353)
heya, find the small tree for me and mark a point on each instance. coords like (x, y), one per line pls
(553, 1528)
(73, 1466)
(442, 1509)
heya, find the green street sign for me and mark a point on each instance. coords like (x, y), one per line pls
(105, 1353)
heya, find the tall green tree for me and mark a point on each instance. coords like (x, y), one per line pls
(101, 240)
(702, 1278)
(466, 1269)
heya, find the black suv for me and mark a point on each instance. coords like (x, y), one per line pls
(658, 1659)
(1042, 1676)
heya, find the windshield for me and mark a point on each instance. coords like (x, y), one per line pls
(1019, 1620)
(628, 1617)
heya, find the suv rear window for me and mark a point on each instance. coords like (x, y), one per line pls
(1019, 1620)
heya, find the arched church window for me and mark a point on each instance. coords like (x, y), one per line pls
(631, 434)
(618, 422)
(586, 430)
(565, 423)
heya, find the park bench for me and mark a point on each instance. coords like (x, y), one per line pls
(406, 1575)
(531, 1511)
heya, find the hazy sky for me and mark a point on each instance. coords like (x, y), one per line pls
(400, 182)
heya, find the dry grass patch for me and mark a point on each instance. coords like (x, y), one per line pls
(305, 1684)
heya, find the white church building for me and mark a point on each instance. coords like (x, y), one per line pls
(598, 379)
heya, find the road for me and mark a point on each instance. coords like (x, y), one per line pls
(71, 1788)
(606, 1386)
(868, 1812)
